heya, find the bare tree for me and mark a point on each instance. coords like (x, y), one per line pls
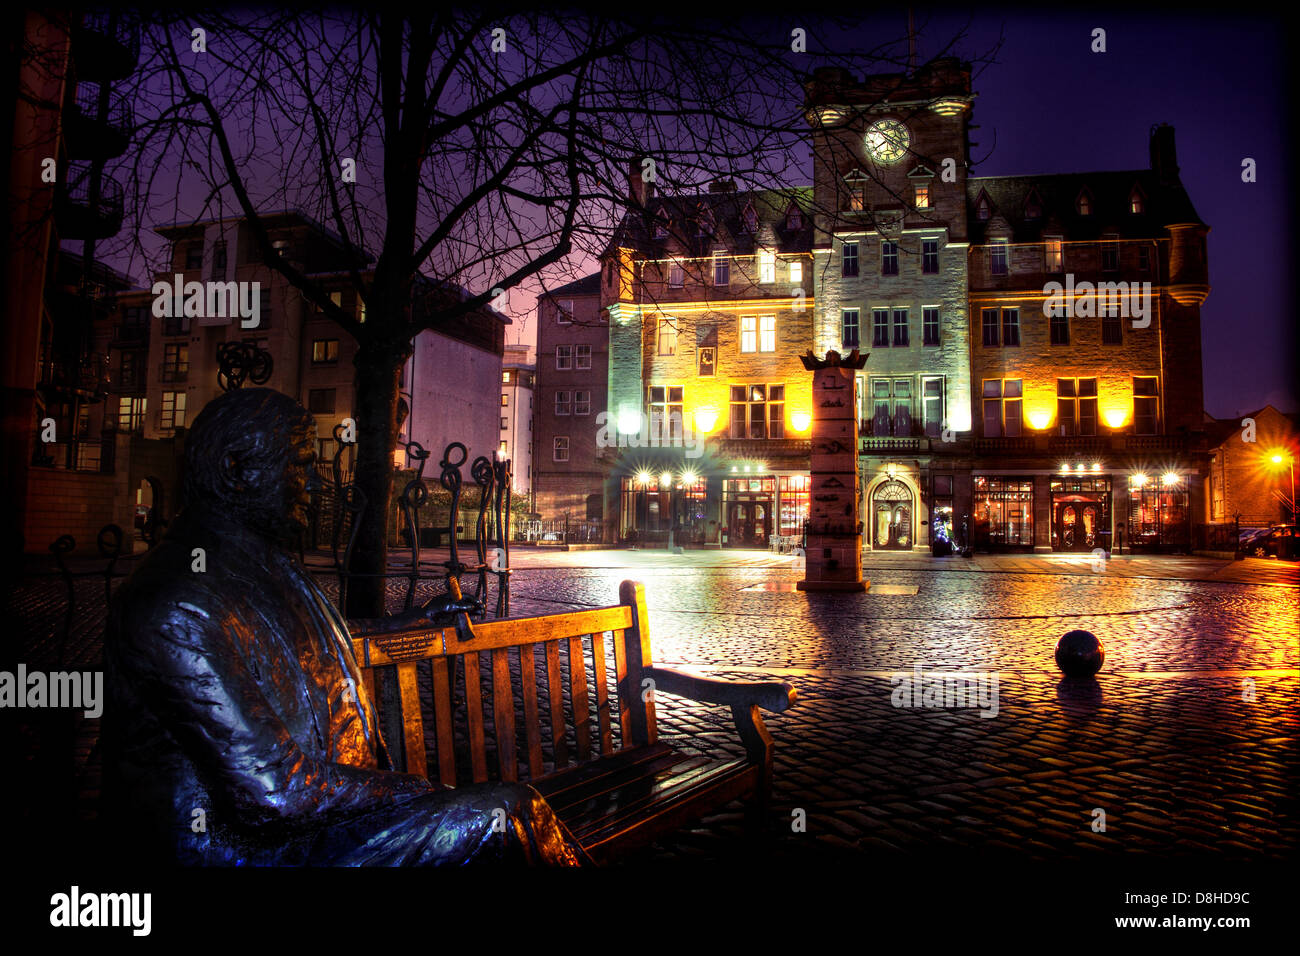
(488, 152)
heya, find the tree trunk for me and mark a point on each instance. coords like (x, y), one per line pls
(378, 367)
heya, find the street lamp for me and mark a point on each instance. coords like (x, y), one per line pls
(1277, 459)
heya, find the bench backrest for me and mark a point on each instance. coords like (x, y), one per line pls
(567, 644)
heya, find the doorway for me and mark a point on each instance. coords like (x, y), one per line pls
(1077, 525)
(749, 523)
(891, 517)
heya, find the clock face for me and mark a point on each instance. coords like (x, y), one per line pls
(887, 141)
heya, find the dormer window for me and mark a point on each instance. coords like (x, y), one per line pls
(1135, 205)
(1084, 203)
(661, 228)
(793, 218)
(750, 219)
(1033, 205)
(704, 222)
(922, 195)
(983, 209)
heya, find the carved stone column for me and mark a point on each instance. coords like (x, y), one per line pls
(834, 553)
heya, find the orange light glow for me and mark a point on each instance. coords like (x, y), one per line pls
(801, 421)
(1115, 417)
(705, 419)
(1038, 420)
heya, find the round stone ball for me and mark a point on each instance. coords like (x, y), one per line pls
(1080, 654)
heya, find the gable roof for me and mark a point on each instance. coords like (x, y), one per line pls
(587, 285)
(727, 209)
(1163, 205)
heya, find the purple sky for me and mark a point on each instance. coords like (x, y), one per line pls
(1050, 105)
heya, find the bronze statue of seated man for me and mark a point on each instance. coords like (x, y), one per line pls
(237, 728)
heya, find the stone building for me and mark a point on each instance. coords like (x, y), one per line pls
(710, 304)
(1246, 484)
(1053, 394)
(518, 380)
(570, 471)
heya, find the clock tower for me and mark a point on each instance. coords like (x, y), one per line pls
(890, 267)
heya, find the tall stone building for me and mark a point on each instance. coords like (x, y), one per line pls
(518, 381)
(710, 304)
(1053, 394)
(570, 471)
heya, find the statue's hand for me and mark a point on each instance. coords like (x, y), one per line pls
(443, 609)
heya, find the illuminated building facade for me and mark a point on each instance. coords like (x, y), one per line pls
(1035, 362)
(1034, 372)
(710, 304)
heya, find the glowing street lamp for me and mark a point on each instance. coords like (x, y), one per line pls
(1277, 458)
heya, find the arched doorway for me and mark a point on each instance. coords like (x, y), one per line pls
(891, 516)
(1077, 524)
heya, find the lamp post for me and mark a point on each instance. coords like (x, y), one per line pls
(1278, 458)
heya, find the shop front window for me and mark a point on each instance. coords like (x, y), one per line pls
(1004, 512)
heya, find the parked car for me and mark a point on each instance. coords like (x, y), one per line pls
(1277, 542)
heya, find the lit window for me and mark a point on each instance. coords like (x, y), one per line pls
(922, 195)
(676, 274)
(748, 333)
(505, 399)
(767, 333)
(326, 351)
(1052, 251)
(667, 337)
(173, 411)
(665, 404)
(1084, 204)
(796, 272)
(505, 376)
(1135, 202)
(767, 267)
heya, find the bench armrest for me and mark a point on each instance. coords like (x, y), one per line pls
(770, 695)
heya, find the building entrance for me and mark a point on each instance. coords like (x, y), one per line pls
(1077, 524)
(749, 522)
(891, 517)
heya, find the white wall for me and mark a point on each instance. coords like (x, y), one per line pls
(455, 395)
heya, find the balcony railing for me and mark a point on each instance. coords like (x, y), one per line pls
(81, 216)
(106, 44)
(1168, 444)
(90, 135)
(87, 377)
(1079, 444)
(873, 443)
(81, 454)
(1005, 444)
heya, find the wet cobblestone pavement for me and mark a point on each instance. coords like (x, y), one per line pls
(1187, 740)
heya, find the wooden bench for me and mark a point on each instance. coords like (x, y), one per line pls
(612, 791)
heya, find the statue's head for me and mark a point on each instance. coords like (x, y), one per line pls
(249, 457)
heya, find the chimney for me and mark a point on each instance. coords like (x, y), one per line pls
(721, 185)
(1164, 157)
(639, 191)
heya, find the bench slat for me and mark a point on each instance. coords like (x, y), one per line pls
(532, 719)
(638, 798)
(412, 722)
(442, 667)
(474, 704)
(555, 691)
(582, 784)
(602, 693)
(578, 693)
(503, 716)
